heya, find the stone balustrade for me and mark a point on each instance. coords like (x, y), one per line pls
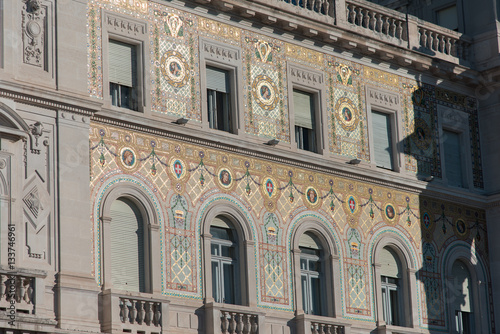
(321, 7)
(140, 312)
(443, 42)
(379, 20)
(238, 323)
(19, 287)
(326, 328)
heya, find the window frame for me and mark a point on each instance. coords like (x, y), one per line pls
(407, 294)
(233, 66)
(151, 237)
(138, 38)
(222, 260)
(377, 103)
(309, 275)
(308, 81)
(456, 121)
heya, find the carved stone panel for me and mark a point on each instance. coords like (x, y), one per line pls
(124, 26)
(382, 98)
(34, 25)
(219, 52)
(306, 77)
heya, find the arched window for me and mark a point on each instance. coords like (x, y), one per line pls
(461, 297)
(391, 281)
(128, 244)
(312, 271)
(224, 250)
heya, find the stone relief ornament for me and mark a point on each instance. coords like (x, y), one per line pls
(421, 134)
(174, 69)
(263, 51)
(346, 114)
(174, 25)
(33, 23)
(265, 92)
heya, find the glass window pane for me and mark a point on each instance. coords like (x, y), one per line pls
(315, 296)
(215, 249)
(227, 251)
(305, 294)
(384, 304)
(394, 305)
(220, 233)
(216, 281)
(315, 266)
(228, 283)
(303, 264)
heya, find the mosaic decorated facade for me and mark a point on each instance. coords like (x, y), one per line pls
(65, 161)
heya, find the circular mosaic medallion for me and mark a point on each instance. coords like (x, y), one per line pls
(225, 178)
(351, 205)
(265, 92)
(312, 197)
(128, 157)
(174, 69)
(389, 213)
(178, 168)
(346, 114)
(461, 230)
(421, 134)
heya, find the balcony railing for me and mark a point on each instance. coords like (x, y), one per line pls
(233, 319)
(312, 324)
(315, 18)
(131, 314)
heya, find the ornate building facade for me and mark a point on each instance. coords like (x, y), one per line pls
(232, 166)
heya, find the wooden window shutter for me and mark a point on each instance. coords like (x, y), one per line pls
(122, 63)
(127, 246)
(382, 140)
(303, 106)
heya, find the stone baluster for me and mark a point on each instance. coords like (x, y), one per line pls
(246, 324)
(359, 14)
(352, 14)
(366, 18)
(157, 314)
(392, 32)
(126, 311)
(151, 314)
(224, 324)
(232, 322)
(442, 44)
(20, 288)
(373, 21)
(140, 312)
(239, 323)
(28, 294)
(423, 37)
(255, 324)
(326, 4)
(386, 25)
(435, 47)
(133, 311)
(380, 23)
(399, 30)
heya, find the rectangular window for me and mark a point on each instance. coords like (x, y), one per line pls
(123, 74)
(382, 140)
(448, 18)
(305, 134)
(452, 158)
(220, 115)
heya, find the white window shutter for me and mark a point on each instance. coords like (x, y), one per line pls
(127, 246)
(217, 79)
(390, 266)
(382, 140)
(122, 63)
(303, 109)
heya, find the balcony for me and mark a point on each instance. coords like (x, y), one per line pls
(313, 324)
(128, 313)
(350, 22)
(233, 319)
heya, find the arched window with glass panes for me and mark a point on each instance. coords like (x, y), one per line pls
(391, 282)
(312, 274)
(223, 249)
(460, 296)
(129, 260)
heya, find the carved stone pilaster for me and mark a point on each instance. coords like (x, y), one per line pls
(34, 23)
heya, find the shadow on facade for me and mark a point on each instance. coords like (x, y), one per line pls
(452, 279)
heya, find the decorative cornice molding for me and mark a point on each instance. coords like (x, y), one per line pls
(124, 25)
(382, 98)
(305, 76)
(213, 50)
(45, 103)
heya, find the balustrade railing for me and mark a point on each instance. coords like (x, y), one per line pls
(322, 328)
(140, 312)
(19, 287)
(382, 21)
(238, 323)
(319, 6)
(443, 42)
